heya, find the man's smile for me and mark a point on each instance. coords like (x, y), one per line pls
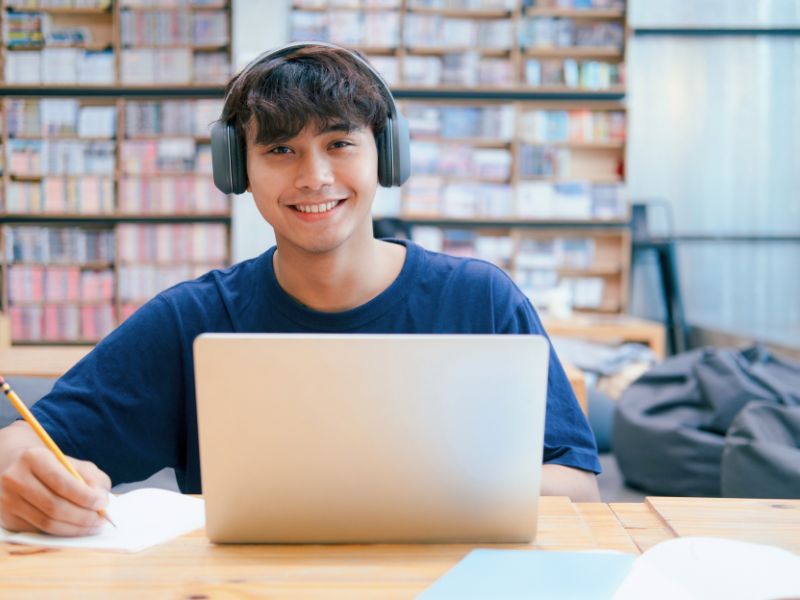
(318, 211)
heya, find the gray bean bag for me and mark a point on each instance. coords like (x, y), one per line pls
(670, 425)
(761, 458)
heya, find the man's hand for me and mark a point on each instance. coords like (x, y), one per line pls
(38, 494)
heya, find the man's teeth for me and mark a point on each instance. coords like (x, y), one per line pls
(317, 208)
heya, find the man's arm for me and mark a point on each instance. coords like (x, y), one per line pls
(38, 494)
(579, 485)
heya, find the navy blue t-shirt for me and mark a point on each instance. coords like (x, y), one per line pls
(129, 405)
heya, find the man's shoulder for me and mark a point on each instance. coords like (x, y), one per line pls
(216, 290)
(215, 280)
(465, 270)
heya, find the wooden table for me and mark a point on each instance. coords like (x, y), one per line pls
(612, 329)
(191, 567)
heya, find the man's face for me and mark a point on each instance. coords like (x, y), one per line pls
(316, 189)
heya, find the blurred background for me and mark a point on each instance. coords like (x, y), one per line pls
(633, 166)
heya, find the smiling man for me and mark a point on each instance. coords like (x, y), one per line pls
(309, 124)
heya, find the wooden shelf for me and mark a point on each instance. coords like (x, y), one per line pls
(109, 89)
(575, 52)
(89, 266)
(171, 136)
(16, 177)
(567, 179)
(460, 14)
(577, 145)
(60, 137)
(62, 10)
(506, 222)
(77, 302)
(610, 329)
(114, 218)
(172, 8)
(438, 50)
(160, 264)
(565, 89)
(361, 9)
(376, 50)
(469, 178)
(80, 46)
(193, 47)
(575, 13)
(79, 345)
(149, 174)
(477, 142)
(610, 271)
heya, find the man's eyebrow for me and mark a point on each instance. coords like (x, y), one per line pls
(338, 126)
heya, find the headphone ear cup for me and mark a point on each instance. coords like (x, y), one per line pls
(384, 146)
(227, 159)
(394, 157)
(401, 148)
(238, 162)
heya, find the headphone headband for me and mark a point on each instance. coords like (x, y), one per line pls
(288, 49)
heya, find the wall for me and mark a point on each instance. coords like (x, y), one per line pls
(715, 133)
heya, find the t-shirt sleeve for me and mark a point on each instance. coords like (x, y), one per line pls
(568, 439)
(121, 406)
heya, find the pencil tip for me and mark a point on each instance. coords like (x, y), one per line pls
(104, 514)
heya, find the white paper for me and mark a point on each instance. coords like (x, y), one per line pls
(143, 517)
(704, 568)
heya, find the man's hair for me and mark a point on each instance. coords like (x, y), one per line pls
(315, 85)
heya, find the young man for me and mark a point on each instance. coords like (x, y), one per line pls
(309, 120)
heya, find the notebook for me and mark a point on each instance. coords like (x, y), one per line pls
(691, 568)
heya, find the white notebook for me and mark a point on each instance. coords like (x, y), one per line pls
(143, 518)
(692, 568)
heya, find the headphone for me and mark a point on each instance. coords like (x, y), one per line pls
(394, 160)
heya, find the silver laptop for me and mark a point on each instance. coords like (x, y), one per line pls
(370, 438)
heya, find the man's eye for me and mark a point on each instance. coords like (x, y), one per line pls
(279, 150)
(341, 144)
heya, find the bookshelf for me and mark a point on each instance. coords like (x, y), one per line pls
(107, 195)
(518, 126)
(104, 43)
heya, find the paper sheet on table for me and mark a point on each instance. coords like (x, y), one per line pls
(144, 518)
(704, 568)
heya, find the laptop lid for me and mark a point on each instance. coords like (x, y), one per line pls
(370, 438)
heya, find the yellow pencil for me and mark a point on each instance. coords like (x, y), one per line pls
(44, 436)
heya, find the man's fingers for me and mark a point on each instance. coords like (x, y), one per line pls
(46, 468)
(49, 505)
(39, 521)
(91, 474)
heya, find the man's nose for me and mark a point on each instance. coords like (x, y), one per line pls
(314, 171)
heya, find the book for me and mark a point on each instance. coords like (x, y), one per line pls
(678, 569)
(63, 245)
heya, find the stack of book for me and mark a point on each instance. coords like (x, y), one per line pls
(586, 74)
(557, 32)
(60, 284)
(154, 257)
(497, 249)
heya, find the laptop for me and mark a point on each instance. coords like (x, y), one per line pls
(319, 438)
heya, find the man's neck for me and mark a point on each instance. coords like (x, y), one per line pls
(340, 280)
